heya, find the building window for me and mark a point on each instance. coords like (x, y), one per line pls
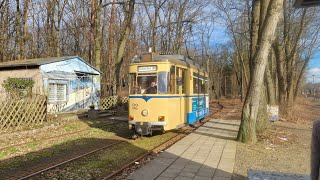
(57, 92)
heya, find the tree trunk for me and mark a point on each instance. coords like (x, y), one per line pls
(270, 86)
(25, 28)
(97, 40)
(123, 40)
(92, 30)
(247, 133)
(18, 29)
(262, 117)
(110, 44)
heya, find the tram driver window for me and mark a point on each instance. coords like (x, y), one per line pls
(147, 84)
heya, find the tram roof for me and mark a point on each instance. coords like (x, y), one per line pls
(174, 58)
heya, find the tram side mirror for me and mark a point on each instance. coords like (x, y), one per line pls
(179, 81)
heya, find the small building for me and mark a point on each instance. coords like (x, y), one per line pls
(70, 83)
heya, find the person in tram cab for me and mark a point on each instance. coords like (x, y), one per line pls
(152, 89)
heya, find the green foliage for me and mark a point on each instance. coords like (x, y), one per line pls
(18, 87)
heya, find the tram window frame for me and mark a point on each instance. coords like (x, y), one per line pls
(165, 82)
(176, 80)
(201, 84)
(133, 84)
(183, 78)
(206, 85)
(195, 80)
(172, 80)
(180, 80)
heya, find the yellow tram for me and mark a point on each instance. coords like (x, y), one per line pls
(166, 92)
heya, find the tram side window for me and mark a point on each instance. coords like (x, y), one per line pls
(183, 76)
(177, 79)
(180, 80)
(202, 84)
(172, 80)
(195, 85)
(133, 85)
(163, 82)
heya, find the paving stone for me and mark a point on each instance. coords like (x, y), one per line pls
(201, 178)
(193, 165)
(221, 173)
(171, 173)
(187, 174)
(167, 155)
(207, 169)
(164, 178)
(205, 174)
(196, 156)
(152, 169)
(176, 166)
(191, 170)
(183, 178)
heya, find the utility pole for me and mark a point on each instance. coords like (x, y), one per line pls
(225, 86)
(313, 87)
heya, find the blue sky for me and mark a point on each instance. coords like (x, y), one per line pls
(219, 36)
(314, 68)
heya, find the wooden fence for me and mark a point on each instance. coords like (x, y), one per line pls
(112, 101)
(19, 113)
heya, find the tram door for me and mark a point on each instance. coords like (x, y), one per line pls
(180, 90)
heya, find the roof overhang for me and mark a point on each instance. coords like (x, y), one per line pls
(306, 3)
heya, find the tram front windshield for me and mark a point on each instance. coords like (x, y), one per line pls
(149, 83)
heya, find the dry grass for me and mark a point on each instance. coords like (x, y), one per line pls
(284, 146)
(305, 111)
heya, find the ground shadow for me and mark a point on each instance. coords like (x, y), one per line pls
(115, 123)
(20, 166)
(170, 166)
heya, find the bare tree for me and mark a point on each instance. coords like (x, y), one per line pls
(247, 131)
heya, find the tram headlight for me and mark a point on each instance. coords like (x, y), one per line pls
(144, 112)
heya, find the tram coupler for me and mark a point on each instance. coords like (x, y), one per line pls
(142, 129)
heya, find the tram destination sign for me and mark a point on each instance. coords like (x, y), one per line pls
(146, 68)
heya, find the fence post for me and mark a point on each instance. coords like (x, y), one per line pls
(315, 151)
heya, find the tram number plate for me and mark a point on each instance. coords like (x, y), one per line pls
(141, 123)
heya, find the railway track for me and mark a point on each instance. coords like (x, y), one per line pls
(67, 161)
(38, 170)
(157, 149)
(58, 136)
(35, 172)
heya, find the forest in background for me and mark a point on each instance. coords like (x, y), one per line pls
(257, 61)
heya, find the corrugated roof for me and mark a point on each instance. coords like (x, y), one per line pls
(34, 62)
(39, 61)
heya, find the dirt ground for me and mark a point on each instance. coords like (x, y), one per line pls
(284, 146)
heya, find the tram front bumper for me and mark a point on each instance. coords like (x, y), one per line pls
(151, 123)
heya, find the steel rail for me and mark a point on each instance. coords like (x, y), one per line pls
(55, 137)
(69, 160)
